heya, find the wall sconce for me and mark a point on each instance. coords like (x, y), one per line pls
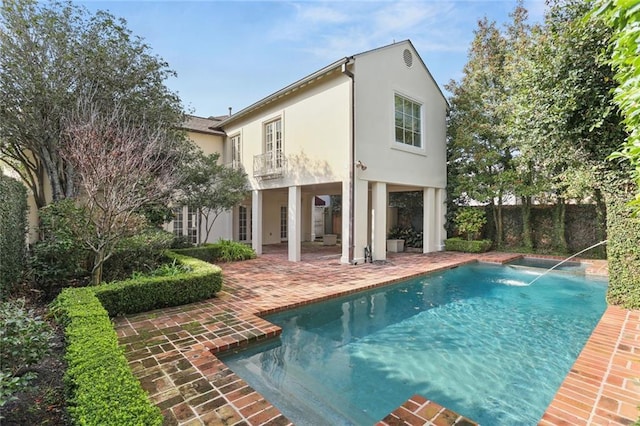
(361, 166)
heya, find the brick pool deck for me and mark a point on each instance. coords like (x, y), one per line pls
(173, 351)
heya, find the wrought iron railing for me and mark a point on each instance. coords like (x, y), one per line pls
(269, 165)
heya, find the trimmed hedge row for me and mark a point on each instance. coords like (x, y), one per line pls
(623, 249)
(135, 295)
(473, 246)
(223, 250)
(13, 226)
(101, 388)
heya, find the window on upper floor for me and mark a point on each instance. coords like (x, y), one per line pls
(236, 152)
(273, 147)
(408, 121)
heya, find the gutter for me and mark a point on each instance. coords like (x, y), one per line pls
(352, 148)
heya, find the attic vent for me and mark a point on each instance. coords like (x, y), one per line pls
(408, 57)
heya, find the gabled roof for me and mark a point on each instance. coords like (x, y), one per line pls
(316, 75)
(197, 124)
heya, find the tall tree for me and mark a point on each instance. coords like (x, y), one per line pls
(52, 55)
(624, 18)
(211, 188)
(121, 166)
(480, 151)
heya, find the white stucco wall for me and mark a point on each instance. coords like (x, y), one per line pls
(315, 126)
(380, 74)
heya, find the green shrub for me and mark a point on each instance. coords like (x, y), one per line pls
(24, 341)
(181, 242)
(623, 250)
(474, 246)
(13, 223)
(411, 237)
(142, 252)
(223, 250)
(469, 222)
(143, 294)
(230, 251)
(101, 388)
(60, 255)
(165, 270)
(207, 253)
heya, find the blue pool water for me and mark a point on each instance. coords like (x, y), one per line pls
(475, 339)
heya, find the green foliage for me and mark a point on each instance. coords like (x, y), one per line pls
(223, 250)
(474, 246)
(143, 294)
(142, 252)
(53, 54)
(24, 340)
(102, 389)
(470, 221)
(411, 237)
(212, 188)
(165, 270)
(623, 16)
(623, 253)
(181, 242)
(13, 223)
(230, 251)
(60, 255)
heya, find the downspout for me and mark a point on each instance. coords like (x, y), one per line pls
(352, 149)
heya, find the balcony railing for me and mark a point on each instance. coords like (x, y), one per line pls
(270, 165)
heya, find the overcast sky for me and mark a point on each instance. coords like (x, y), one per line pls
(233, 53)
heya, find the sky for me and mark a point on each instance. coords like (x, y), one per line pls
(234, 53)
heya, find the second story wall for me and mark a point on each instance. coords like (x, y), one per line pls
(310, 127)
(396, 98)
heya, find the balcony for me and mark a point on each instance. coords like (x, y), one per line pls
(270, 165)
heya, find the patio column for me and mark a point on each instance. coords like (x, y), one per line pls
(429, 217)
(379, 220)
(294, 230)
(345, 222)
(441, 212)
(256, 220)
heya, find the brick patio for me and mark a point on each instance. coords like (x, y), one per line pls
(172, 351)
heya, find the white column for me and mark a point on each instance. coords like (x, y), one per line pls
(428, 225)
(256, 220)
(345, 222)
(379, 220)
(294, 222)
(441, 212)
(361, 220)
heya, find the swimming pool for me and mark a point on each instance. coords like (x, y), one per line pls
(475, 339)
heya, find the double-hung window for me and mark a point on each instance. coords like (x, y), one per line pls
(408, 121)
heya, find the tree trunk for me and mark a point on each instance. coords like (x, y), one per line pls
(601, 222)
(499, 224)
(560, 241)
(527, 238)
(98, 263)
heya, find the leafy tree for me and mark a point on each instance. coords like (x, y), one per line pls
(120, 166)
(52, 55)
(470, 221)
(623, 16)
(211, 188)
(480, 151)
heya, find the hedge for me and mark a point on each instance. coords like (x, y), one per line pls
(101, 388)
(135, 295)
(623, 250)
(223, 250)
(473, 246)
(13, 224)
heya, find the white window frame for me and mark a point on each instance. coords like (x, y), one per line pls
(274, 143)
(417, 130)
(244, 226)
(236, 151)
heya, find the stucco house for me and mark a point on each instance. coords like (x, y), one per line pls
(361, 127)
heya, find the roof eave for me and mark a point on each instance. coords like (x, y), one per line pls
(282, 92)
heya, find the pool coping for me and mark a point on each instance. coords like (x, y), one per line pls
(173, 351)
